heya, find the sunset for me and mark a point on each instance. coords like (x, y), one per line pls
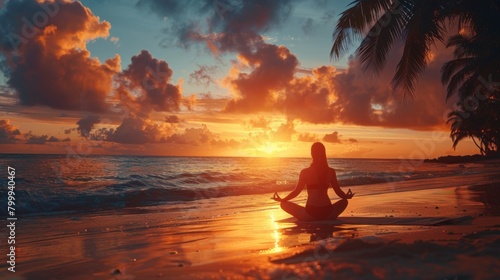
(250, 139)
(206, 79)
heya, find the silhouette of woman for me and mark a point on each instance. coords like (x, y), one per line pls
(317, 178)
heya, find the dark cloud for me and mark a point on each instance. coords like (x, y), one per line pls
(333, 137)
(352, 140)
(150, 78)
(8, 132)
(45, 57)
(223, 26)
(86, 124)
(136, 130)
(172, 119)
(43, 139)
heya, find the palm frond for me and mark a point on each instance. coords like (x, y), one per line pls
(452, 66)
(353, 21)
(375, 46)
(422, 30)
(457, 80)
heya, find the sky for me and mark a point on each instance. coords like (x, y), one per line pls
(205, 78)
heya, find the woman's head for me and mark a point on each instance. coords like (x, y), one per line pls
(318, 154)
(319, 162)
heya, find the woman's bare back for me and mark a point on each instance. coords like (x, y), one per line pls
(317, 191)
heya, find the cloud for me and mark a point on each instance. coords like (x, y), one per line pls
(264, 79)
(203, 76)
(333, 137)
(225, 27)
(308, 137)
(135, 130)
(172, 119)
(352, 140)
(44, 53)
(260, 122)
(149, 79)
(369, 101)
(8, 133)
(43, 46)
(194, 136)
(43, 139)
(284, 132)
(310, 98)
(86, 124)
(273, 69)
(330, 95)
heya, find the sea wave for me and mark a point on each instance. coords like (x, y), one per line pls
(97, 183)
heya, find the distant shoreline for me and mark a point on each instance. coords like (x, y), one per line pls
(460, 159)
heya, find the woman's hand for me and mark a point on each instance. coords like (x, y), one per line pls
(276, 197)
(349, 194)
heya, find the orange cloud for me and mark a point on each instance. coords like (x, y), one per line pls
(260, 122)
(273, 68)
(11, 135)
(46, 55)
(336, 96)
(284, 132)
(308, 137)
(8, 133)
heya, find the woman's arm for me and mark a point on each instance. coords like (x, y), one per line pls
(337, 189)
(298, 189)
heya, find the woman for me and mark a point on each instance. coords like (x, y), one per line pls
(317, 178)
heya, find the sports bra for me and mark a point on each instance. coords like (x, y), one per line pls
(316, 187)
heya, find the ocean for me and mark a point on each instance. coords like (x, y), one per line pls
(53, 184)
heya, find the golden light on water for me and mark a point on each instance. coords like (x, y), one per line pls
(277, 248)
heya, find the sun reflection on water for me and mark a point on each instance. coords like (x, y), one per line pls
(276, 235)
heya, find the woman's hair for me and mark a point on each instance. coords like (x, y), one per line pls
(319, 161)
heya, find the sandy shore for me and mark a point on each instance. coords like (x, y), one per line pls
(216, 238)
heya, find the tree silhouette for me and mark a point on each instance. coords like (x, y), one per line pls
(379, 24)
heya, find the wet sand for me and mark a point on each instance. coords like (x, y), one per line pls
(249, 237)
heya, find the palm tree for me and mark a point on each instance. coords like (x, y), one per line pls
(417, 23)
(476, 53)
(462, 128)
(473, 72)
(480, 124)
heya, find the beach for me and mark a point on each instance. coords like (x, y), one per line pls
(435, 228)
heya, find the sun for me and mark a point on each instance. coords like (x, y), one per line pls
(270, 148)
